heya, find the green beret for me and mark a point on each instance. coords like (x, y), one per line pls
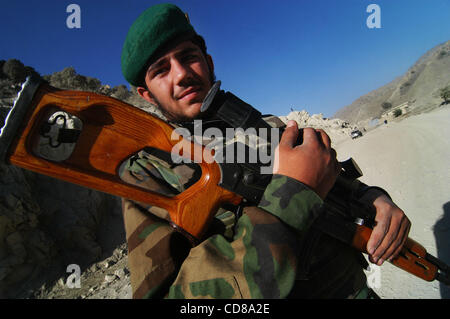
(154, 28)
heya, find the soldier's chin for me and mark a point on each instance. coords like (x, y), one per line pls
(193, 111)
(189, 113)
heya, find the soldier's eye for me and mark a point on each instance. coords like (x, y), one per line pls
(160, 71)
(190, 57)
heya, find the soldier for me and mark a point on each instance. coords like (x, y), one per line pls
(267, 252)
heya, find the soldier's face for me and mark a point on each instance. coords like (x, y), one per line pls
(178, 81)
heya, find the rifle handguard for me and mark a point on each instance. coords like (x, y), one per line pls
(412, 258)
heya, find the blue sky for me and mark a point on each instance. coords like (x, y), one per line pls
(276, 55)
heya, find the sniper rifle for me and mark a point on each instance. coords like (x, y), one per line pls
(95, 134)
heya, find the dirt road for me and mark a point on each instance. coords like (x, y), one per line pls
(411, 160)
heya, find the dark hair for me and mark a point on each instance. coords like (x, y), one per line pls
(196, 39)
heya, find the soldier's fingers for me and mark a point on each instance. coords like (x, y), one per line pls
(377, 236)
(393, 238)
(337, 165)
(324, 138)
(402, 239)
(398, 242)
(310, 136)
(397, 231)
(290, 135)
(387, 247)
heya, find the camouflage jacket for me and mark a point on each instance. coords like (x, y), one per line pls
(268, 252)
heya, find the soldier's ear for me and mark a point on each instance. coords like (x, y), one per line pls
(210, 62)
(145, 94)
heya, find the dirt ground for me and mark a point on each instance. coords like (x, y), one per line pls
(411, 160)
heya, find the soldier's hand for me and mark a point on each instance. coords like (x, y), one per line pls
(390, 232)
(313, 162)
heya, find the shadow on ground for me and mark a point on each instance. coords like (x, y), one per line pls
(442, 235)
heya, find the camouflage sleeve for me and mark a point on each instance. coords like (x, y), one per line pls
(155, 251)
(292, 202)
(368, 193)
(261, 260)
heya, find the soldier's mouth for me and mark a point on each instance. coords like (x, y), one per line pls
(190, 94)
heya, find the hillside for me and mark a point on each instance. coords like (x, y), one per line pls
(419, 87)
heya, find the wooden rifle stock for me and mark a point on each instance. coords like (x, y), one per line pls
(112, 131)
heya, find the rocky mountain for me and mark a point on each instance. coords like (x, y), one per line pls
(418, 88)
(337, 129)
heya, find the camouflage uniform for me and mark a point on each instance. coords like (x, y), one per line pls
(271, 251)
